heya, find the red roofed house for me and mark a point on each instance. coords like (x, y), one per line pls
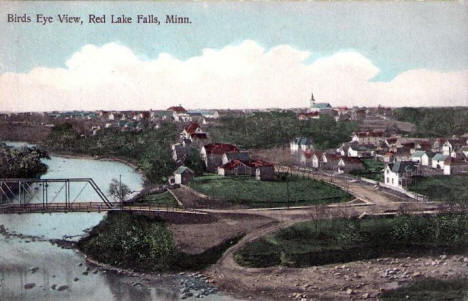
(193, 131)
(262, 170)
(234, 168)
(212, 154)
(347, 164)
(177, 109)
(179, 114)
(330, 161)
(371, 137)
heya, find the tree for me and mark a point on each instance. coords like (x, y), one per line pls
(118, 191)
(194, 162)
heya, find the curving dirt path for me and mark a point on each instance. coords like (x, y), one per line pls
(356, 280)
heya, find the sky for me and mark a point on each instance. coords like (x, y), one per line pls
(235, 55)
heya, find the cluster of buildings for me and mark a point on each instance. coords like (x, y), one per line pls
(318, 109)
(95, 121)
(220, 158)
(403, 157)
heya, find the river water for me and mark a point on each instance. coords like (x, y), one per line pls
(27, 256)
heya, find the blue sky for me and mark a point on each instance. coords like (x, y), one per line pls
(235, 55)
(395, 36)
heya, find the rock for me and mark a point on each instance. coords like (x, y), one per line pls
(54, 286)
(95, 271)
(76, 279)
(349, 291)
(365, 296)
(62, 288)
(443, 257)
(416, 274)
(85, 273)
(29, 286)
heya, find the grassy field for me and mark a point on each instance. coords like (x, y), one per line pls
(442, 188)
(161, 199)
(430, 289)
(246, 190)
(344, 240)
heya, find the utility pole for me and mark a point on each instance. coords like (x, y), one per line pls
(120, 192)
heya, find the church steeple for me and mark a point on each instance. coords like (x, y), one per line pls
(312, 100)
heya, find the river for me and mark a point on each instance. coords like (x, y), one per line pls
(28, 258)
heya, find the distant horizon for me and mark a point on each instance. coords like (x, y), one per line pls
(228, 109)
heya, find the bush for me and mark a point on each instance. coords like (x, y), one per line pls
(343, 240)
(125, 240)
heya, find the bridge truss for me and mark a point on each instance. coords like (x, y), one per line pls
(24, 191)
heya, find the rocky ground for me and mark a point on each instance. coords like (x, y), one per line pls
(351, 281)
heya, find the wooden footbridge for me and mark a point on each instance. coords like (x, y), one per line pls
(33, 196)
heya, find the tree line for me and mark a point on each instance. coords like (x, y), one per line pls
(272, 129)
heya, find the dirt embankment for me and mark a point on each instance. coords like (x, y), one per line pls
(195, 237)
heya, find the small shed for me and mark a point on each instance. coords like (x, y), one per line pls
(183, 175)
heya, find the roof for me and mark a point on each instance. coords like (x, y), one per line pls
(332, 157)
(220, 148)
(258, 163)
(371, 134)
(192, 127)
(322, 105)
(243, 156)
(199, 135)
(351, 160)
(178, 109)
(232, 164)
(183, 169)
(402, 166)
(307, 154)
(439, 157)
(303, 141)
(453, 161)
(418, 154)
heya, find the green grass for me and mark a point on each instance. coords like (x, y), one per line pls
(161, 199)
(443, 188)
(246, 190)
(372, 170)
(430, 290)
(343, 240)
(144, 244)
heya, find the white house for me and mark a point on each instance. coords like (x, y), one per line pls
(360, 151)
(454, 166)
(438, 161)
(421, 157)
(317, 159)
(183, 175)
(301, 143)
(347, 164)
(399, 174)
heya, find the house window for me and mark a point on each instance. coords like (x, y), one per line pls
(392, 181)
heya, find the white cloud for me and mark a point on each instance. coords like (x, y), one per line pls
(242, 76)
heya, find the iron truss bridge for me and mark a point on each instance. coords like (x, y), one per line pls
(61, 195)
